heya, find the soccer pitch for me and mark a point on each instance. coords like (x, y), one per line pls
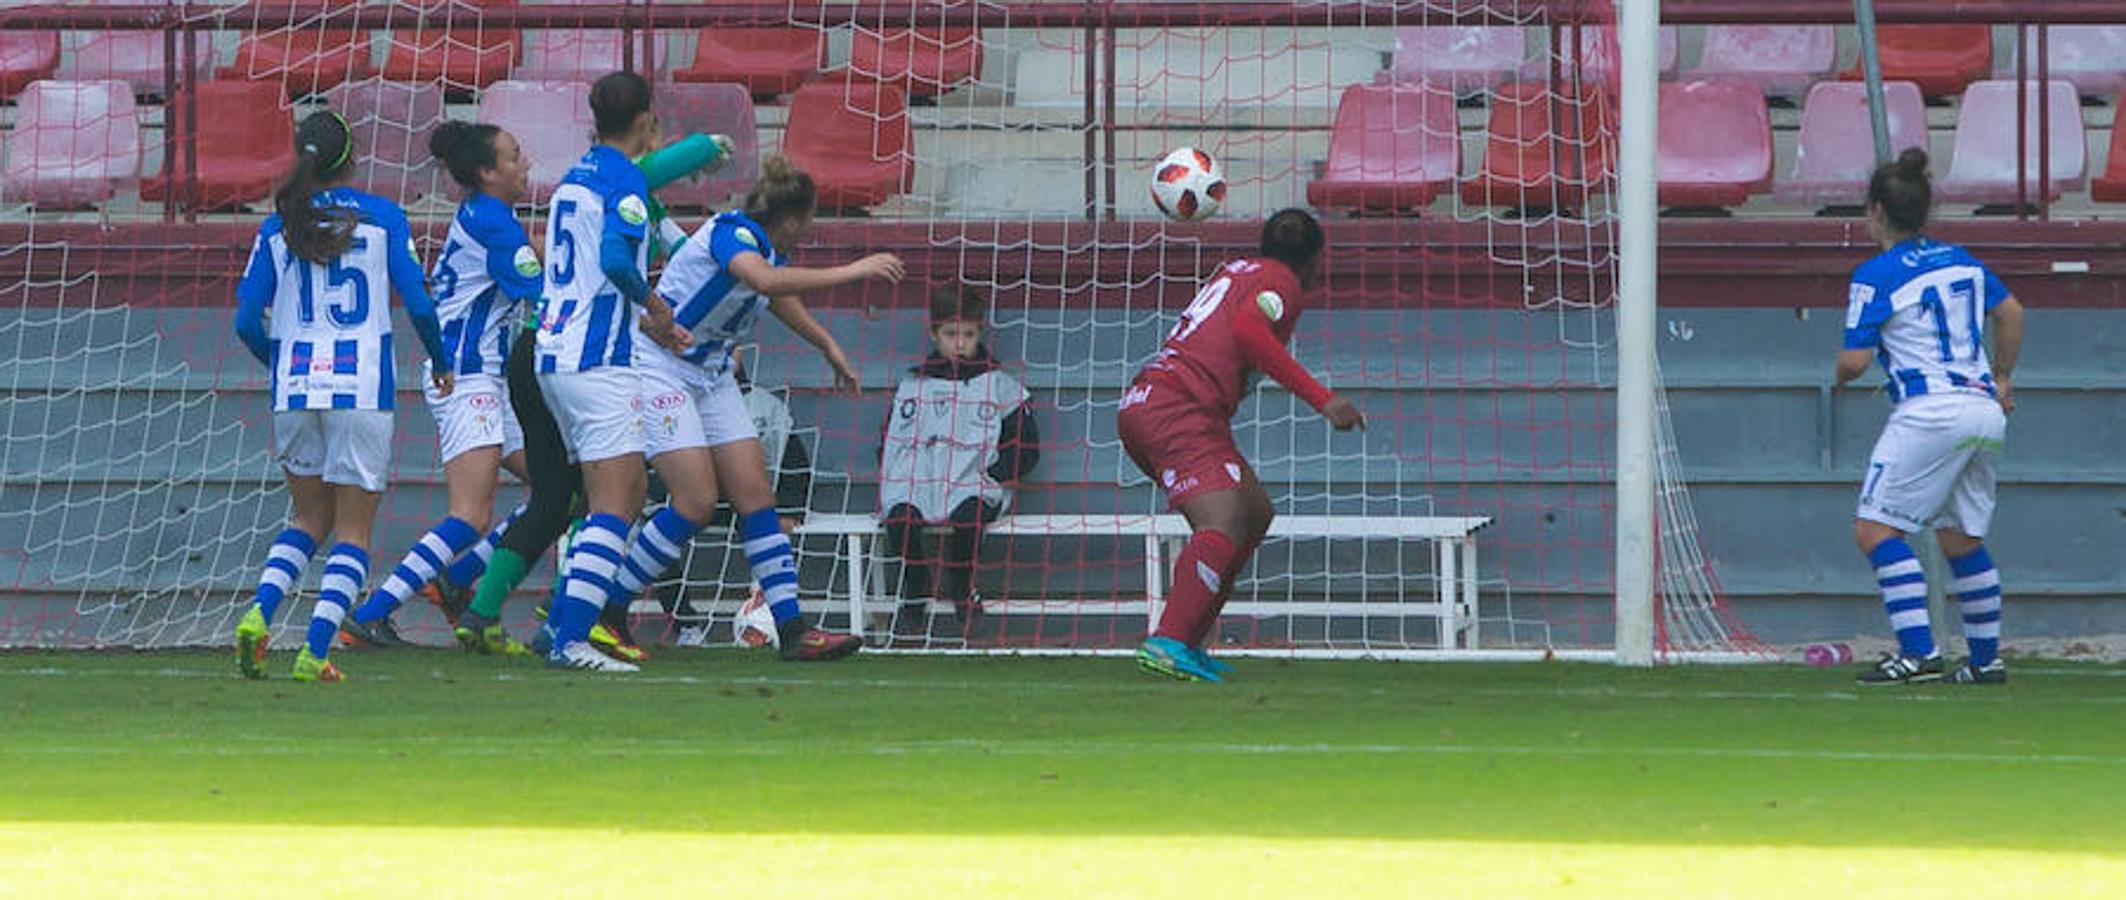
(721, 773)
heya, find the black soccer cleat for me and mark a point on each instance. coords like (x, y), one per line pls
(1894, 669)
(377, 635)
(1995, 672)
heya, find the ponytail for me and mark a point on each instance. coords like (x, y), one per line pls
(783, 190)
(324, 145)
(1904, 191)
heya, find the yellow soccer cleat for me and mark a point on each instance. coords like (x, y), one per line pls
(252, 636)
(310, 668)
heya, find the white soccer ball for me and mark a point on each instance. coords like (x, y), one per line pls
(755, 625)
(1188, 185)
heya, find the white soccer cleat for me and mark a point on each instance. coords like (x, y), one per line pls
(581, 656)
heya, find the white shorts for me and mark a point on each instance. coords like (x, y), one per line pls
(684, 410)
(1933, 465)
(599, 411)
(475, 415)
(346, 446)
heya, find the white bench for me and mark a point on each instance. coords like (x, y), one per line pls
(1454, 596)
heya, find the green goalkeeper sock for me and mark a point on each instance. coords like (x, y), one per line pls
(504, 572)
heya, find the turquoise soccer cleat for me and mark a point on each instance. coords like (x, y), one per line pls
(1174, 659)
(1217, 667)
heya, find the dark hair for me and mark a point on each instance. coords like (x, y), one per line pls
(464, 148)
(324, 147)
(783, 190)
(1904, 191)
(1292, 237)
(617, 98)
(957, 303)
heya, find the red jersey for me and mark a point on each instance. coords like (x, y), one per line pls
(1238, 323)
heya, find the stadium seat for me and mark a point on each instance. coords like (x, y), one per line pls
(570, 55)
(551, 121)
(75, 143)
(392, 121)
(1466, 58)
(1782, 60)
(923, 63)
(768, 61)
(2110, 187)
(1835, 153)
(461, 55)
(1982, 169)
(1715, 144)
(684, 109)
(1941, 59)
(1528, 164)
(1596, 67)
(26, 56)
(303, 57)
(134, 57)
(1393, 149)
(2092, 57)
(245, 145)
(853, 136)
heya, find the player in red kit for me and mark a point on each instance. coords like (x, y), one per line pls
(1176, 424)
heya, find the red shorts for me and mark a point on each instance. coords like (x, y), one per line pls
(1187, 450)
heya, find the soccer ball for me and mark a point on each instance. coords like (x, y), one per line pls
(1188, 185)
(755, 625)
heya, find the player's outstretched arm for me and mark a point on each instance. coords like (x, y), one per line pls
(1268, 354)
(2005, 320)
(790, 308)
(781, 281)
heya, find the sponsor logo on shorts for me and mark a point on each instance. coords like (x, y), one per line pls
(668, 400)
(483, 402)
(1137, 393)
(635, 403)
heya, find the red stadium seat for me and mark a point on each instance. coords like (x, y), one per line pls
(1529, 163)
(1982, 169)
(306, 59)
(853, 136)
(1835, 153)
(1782, 60)
(685, 109)
(461, 55)
(1715, 143)
(921, 62)
(26, 56)
(1941, 59)
(1393, 149)
(768, 61)
(74, 143)
(245, 145)
(2110, 187)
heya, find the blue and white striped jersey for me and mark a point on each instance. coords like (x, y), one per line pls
(584, 322)
(1921, 306)
(327, 340)
(706, 298)
(486, 269)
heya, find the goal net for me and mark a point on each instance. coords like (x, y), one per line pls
(1460, 155)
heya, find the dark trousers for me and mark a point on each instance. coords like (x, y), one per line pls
(952, 574)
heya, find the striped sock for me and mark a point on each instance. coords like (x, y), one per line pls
(656, 547)
(444, 542)
(774, 566)
(594, 558)
(1978, 593)
(346, 570)
(467, 568)
(285, 562)
(1904, 596)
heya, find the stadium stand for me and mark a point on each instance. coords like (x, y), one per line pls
(1983, 167)
(2110, 187)
(1835, 151)
(134, 57)
(569, 55)
(1941, 59)
(26, 56)
(726, 109)
(1528, 162)
(855, 138)
(1393, 149)
(1782, 60)
(1715, 144)
(769, 61)
(75, 143)
(2092, 57)
(304, 58)
(458, 57)
(923, 63)
(550, 119)
(391, 121)
(245, 144)
(1466, 58)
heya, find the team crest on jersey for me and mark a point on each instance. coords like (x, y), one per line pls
(1271, 305)
(632, 210)
(745, 236)
(527, 262)
(986, 411)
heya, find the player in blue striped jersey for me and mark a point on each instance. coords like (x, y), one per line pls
(698, 430)
(320, 269)
(486, 272)
(1922, 309)
(596, 259)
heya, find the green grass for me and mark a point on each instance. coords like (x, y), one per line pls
(728, 773)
